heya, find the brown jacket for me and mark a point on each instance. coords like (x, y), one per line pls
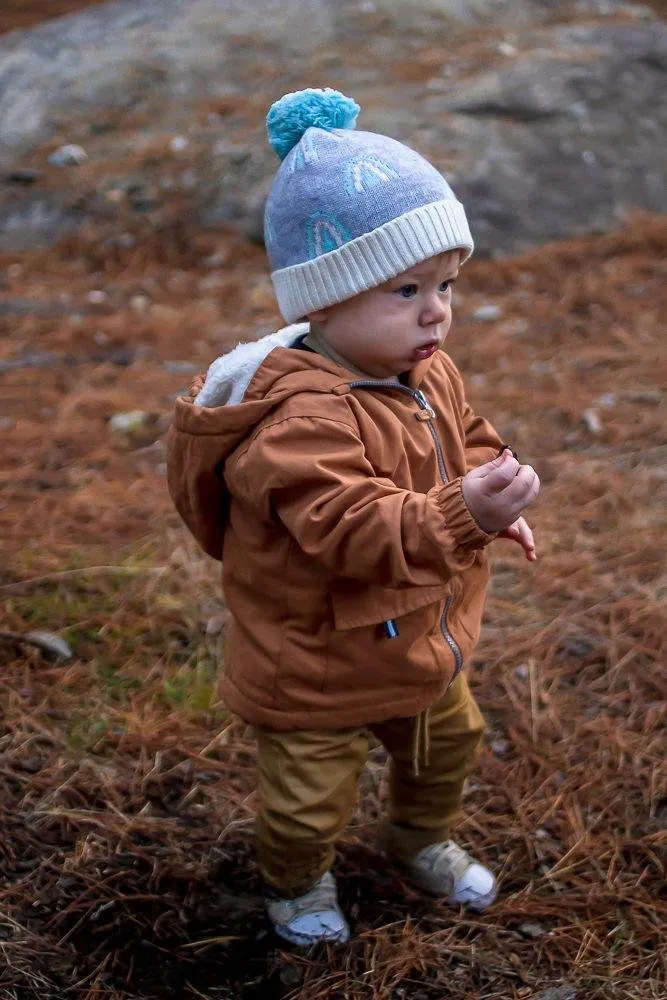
(336, 507)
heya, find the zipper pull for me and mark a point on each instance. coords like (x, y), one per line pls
(426, 408)
(390, 628)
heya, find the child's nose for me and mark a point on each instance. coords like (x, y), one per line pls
(434, 311)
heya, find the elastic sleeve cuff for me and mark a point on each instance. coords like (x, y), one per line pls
(460, 522)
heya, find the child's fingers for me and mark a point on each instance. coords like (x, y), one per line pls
(500, 475)
(482, 471)
(521, 533)
(527, 540)
(524, 488)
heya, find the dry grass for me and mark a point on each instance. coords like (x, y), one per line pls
(126, 792)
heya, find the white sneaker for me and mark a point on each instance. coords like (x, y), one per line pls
(447, 870)
(312, 918)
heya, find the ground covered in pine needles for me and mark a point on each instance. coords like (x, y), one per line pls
(127, 792)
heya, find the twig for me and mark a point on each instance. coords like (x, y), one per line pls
(22, 586)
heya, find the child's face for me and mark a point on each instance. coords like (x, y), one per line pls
(389, 329)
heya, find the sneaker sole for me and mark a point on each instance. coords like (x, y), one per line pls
(302, 941)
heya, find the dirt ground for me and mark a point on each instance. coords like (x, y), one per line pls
(126, 791)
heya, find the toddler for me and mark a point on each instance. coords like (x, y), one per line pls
(350, 491)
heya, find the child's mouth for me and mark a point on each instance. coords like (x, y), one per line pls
(426, 350)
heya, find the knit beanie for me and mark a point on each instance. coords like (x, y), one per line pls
(348, 210)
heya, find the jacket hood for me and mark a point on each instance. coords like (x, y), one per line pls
(229, 376)
(222, 408)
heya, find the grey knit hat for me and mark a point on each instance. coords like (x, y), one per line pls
(347, 209)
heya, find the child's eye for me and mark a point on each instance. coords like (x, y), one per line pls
(407, 291)
(444, 285)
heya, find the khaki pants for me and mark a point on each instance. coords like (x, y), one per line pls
(308, 788)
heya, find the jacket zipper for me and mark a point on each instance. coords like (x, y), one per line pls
(424, 405)
(451, 641)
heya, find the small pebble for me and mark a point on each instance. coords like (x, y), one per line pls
(29, 361)
(216, 259)
(178, 144)
(125, 423)
(607, 400)
(139, 302)
(530, 930)
(652, 397)
(121, 356)
(51, 645)
(487, 313)
(592, 421)
(514, 327)
(69, 155)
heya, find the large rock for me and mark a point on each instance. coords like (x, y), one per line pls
(131, 57)
(118, 77)
(568, 139)
(545, 131)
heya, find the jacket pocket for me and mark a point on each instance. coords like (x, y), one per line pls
(366, 669)
(356, 605)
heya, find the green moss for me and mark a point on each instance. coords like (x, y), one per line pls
(114, 684)
(194, 688)
(136, 643)
(87, 733)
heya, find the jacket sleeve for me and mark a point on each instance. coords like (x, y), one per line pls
(311, 472)
(482, 442)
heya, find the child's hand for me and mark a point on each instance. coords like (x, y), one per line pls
(521, 532)
(497, 492)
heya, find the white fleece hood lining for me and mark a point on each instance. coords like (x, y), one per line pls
(229, 376)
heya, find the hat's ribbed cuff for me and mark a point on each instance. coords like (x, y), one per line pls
(372, 259)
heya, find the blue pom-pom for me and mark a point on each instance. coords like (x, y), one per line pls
(289, 117)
